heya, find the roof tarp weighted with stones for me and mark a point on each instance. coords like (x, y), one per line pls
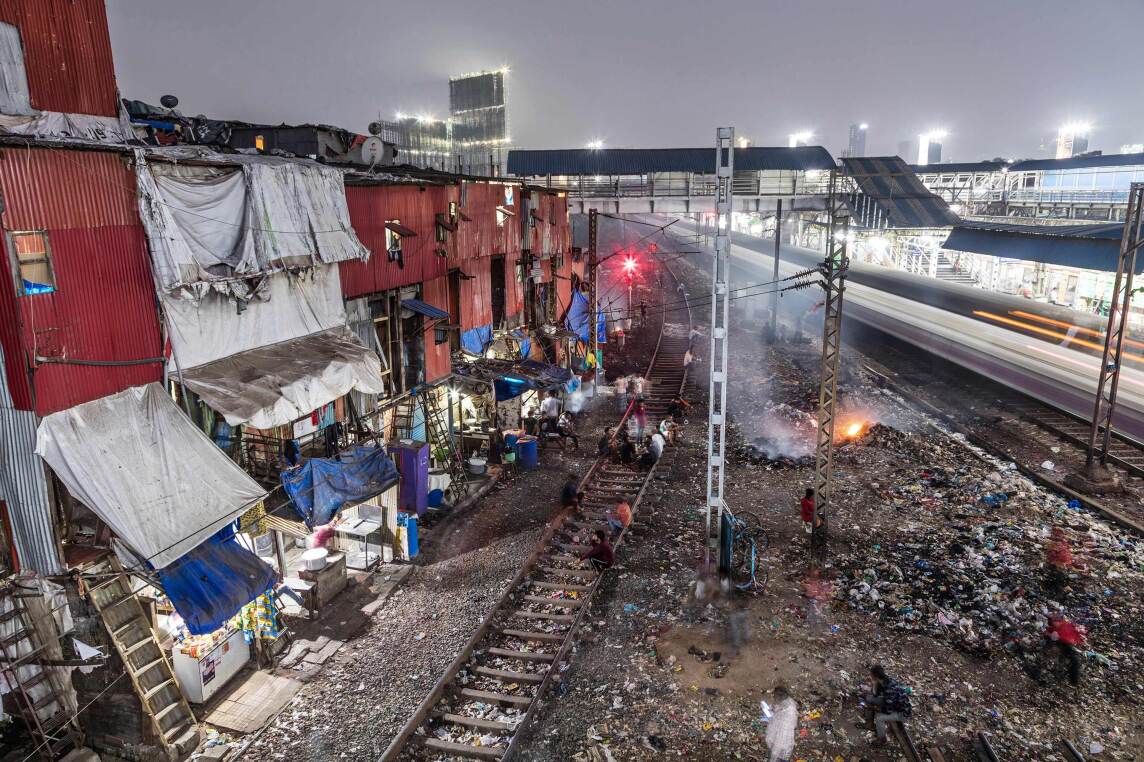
(147, 471)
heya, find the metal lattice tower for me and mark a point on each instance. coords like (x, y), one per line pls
(1114, 336)
(593, 289)
(717, 389)
(833, 283)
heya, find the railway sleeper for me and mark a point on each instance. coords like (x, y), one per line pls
(543, 615)
(580, 573)
(509, 676)
(535, 636)
(564, 586)
(459, 749)
(476, 723)
(568, 603)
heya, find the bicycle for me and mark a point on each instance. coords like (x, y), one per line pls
(749, 543)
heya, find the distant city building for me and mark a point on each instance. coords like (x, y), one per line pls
(929, 148)
(907, 148)
(478, 112)
(1072, 140)
(856, 145)
(1132, 148)
(473, 140)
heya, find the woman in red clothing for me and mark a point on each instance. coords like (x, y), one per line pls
(1066, 639)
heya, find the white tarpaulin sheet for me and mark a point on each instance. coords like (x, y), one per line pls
(212, 226)
(144, 468)
(14, 97)
(55, 124)
(275, 385)
(288, 306)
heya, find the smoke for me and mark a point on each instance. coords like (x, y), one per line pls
(782, 432)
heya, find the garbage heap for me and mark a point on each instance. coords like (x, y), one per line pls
(967, 564)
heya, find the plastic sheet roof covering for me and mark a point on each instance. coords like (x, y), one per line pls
(212, 582)
(144, 468)
(897, 191)
(277, 384)
(640, 161)
(1095, 247)
(322, 487)
(210, 225)
(426, 310)
(958, 167)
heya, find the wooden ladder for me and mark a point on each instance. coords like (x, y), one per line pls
(36, 689)
(175, 726)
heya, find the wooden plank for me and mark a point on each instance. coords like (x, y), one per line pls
(522, 655)
(935, 754)
(500, 698)
(581, 573)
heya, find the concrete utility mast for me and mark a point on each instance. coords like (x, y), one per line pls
(833, 283)
(717, 388)
(1097, 477)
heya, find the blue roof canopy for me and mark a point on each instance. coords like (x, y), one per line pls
(641, 161)
(423, 308)
(1093, 247)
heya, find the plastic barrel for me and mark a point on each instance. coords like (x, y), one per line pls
(435, 497)
(526, 446)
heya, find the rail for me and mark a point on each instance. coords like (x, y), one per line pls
(617, 484)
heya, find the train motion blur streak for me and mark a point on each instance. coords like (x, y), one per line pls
(965, 325)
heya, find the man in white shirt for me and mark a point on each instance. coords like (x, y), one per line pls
(549, 411)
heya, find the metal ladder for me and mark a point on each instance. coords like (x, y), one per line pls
(143, 658)
(437, 430)
(36, 689)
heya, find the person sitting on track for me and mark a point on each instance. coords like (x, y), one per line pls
(670, 429)
(566, 428)
(570, 495)
(600, 555)
(678, 407)
(605, 447)
(620, 517)
(887, 702)
(626, 450)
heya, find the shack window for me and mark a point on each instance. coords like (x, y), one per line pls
(14, 97)
(31, 257)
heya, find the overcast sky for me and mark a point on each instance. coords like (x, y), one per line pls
(999, 75)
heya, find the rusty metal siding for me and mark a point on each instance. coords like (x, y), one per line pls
(480, 236)
(103, 308)
(438, 363)
(57, 188)
(417, 208)
(67, 54)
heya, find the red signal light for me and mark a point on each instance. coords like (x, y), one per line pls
(630, 266)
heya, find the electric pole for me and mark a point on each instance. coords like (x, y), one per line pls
(593, 295)
(1096, 476)
(717, 387)
(775, 296)
(834, 284)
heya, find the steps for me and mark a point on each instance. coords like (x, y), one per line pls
(174, 725)
(37, 690)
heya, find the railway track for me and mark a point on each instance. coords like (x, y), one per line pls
(479, 707)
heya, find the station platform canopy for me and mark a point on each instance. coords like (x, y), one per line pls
(1093, 247)
(642, 161)
(898, 195)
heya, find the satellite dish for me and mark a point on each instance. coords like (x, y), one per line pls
(374, 128)
(372, 150)
(169, 101)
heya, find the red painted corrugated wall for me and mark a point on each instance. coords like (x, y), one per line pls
(67, 54)
(479, 238)
(438, 363)
(103, 308)
(415, 207)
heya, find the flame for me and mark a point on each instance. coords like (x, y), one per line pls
(854, 429)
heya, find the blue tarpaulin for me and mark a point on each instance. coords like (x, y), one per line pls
(323, 486)
(532, 375)
(476, 340)
(577, 320)
(209, 584)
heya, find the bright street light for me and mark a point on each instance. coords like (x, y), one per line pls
(863, 126)
(595, 144)
(796, 139)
